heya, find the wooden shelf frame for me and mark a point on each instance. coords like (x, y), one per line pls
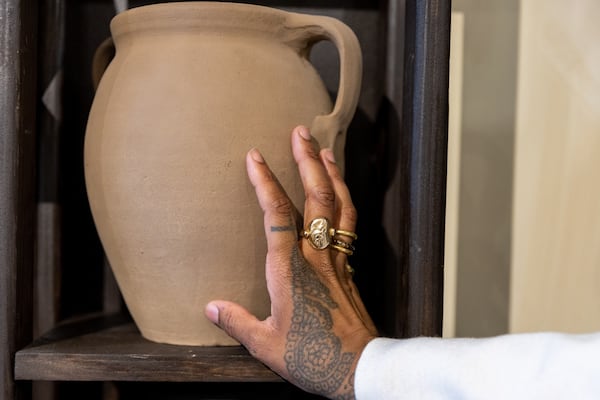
(109, 348)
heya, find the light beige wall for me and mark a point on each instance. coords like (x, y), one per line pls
(487, 120)
(555, 282)
(523, 239)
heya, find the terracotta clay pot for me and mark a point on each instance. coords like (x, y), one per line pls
(191, 88)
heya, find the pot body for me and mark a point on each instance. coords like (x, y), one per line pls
(191, 88)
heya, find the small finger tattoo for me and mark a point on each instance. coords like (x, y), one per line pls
(289, 228)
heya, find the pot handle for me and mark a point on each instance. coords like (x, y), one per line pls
(313, 28)
(102, 57)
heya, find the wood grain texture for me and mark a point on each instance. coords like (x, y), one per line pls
(423, 152)
(17, 185)
(112, 349)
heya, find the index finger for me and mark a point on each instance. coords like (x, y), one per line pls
(279, 211)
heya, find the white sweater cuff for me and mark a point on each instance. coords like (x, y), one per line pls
(525, 366)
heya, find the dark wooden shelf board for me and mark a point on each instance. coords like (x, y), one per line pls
(112, 349)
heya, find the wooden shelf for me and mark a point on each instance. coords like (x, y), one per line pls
(110, 348)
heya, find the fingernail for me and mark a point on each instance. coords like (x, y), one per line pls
(256, 156)
(212, 313)
(303, 131)
(329, 155)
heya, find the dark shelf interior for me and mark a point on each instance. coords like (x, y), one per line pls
(111, 348)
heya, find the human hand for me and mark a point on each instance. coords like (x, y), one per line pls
(318, 325)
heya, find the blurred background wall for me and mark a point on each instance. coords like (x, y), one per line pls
(523, 232)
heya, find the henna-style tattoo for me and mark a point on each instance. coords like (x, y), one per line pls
(313, 355)
(289, 228)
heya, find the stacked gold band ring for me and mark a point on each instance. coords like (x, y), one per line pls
(343, 244)
(349, 269)
(341, 232)
(320, 235)
(344, 247)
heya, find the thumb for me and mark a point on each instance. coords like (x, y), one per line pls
(236, 321)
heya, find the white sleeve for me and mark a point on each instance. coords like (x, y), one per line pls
(523, 366)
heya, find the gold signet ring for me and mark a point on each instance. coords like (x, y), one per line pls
(318, 233)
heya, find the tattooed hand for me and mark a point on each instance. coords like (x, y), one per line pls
(318, 325)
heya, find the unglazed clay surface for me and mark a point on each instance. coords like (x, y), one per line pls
(192, 87)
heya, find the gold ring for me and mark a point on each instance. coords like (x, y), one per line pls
(349, 269)
(318, 233)
(342, 232)
(343, 244)
(320, 236)
(344, 250)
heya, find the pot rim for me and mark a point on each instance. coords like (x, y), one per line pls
(201, 16)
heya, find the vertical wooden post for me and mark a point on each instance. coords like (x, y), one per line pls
(421, 191)
(425, 122)
(18, 22)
